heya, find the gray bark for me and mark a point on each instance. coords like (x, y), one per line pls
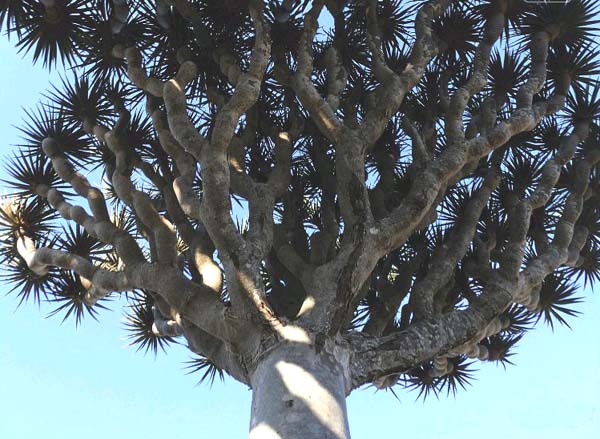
(299, 392)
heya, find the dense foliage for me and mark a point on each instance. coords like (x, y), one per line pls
(521, 204)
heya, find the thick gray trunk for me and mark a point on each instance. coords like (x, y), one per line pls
(299, 394)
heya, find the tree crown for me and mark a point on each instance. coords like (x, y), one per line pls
(419, 178)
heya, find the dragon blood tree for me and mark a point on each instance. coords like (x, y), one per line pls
(419, 180)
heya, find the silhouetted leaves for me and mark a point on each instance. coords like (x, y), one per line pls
(27, 172)
(68, 294)
(207, 370)
(140, 319)
(81, 101)
(53, 32)
(572, 23)
(500, 347)
(421, 379)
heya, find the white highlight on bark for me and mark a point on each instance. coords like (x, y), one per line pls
(307, 305)
(294, 334)
(26, 250)
(304, 386)
(264, 431)
(299, 392)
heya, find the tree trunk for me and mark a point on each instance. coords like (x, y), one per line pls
(300, 394)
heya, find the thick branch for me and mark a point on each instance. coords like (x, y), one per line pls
(98, 225)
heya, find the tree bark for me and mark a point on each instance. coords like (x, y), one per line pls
(299, 392)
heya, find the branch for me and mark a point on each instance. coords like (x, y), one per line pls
(98, 282)
(568, 237)
(376, 357)
(98, 225)
(520, 216)
(392, 232)
(459, 101)
(164, 327)
(337, 77)
(213, 158)
(322, 113)
(136, 72)
(163, 233)
(241, 261)
(390, 94)
(446, 258)
(391, 295)
(201, 246)
(180, 125)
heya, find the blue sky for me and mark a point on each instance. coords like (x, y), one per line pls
(58, 381)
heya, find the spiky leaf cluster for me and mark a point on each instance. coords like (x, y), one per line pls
(138, 324)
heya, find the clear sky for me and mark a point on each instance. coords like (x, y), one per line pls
(62, 382)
